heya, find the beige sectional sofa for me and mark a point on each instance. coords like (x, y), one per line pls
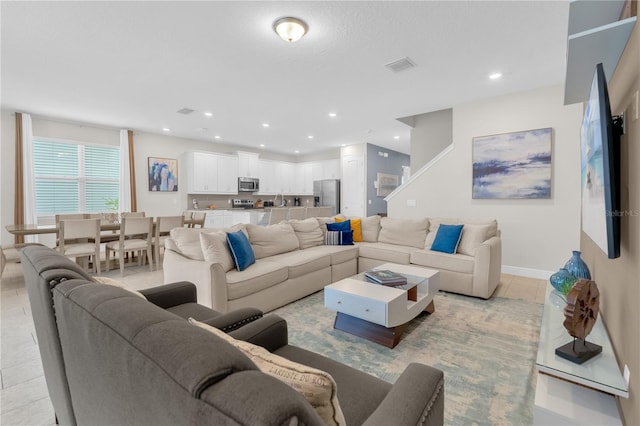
(292, 260)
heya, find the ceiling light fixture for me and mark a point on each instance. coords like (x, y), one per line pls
(296, 151)
(216, 137)
(261, 145)
(166, 129)
(396, 137)
(265, 125)
(310, 137)
(290, 29)
(208, 114)
(332, 114)
(495, 76)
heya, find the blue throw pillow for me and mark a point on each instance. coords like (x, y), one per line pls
(241, 250)
(338, 238)
(447, 238)
(339, 226)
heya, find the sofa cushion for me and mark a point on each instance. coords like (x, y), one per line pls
(216, 249)
(339, 238)
(356, 227)
(262, 274)
(241, 250)
(370, 228)
(338, 254)
(387, 252)
(447, 238)
(317, 386)
(323, 221)
(472, 237)
(273, 239)
(188, 242)
(308, 232)
(438, 260)
(302, 262)
(436, 221)
(404, 232)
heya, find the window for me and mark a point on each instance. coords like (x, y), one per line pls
(72, 177)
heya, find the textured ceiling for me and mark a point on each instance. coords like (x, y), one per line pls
(134, 64)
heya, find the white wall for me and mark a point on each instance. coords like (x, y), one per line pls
(537, 235)
(432, 132)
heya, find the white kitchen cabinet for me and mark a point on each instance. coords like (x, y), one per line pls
(217, 219)
(211, 173)
(286, 177)
(249, 164)
(331, 169)
(304, 179)
(268, 178)
(227, 174)
(316, 171)
(240, 216)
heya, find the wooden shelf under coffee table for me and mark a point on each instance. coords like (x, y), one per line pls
(380, 313)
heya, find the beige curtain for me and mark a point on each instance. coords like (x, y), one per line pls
(18, 205)
(132, 172)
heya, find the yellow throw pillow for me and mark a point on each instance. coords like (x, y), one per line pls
(318, 387)
(356, 227)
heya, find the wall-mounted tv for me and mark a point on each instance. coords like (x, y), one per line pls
(600, 148)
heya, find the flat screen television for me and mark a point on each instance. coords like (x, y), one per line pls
(600, 148)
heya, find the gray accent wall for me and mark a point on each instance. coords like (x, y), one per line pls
(432, 132)
(377, 162)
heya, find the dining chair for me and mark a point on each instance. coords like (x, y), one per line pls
(164, 224)
(80, 238)
(132, 214)
(278, 214)
(105, 218)
(135, 236)
(296, 213)
(197, 219)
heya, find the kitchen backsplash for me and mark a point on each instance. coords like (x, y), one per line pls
(224, 201)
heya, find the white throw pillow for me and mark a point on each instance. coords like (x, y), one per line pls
(472, 237)
(215, 249)
(317, 386)
(370, 228)
(188, 242)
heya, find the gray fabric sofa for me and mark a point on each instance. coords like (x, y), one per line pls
(111, 357)
(293, 262)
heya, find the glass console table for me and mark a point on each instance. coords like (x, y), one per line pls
(567, 391)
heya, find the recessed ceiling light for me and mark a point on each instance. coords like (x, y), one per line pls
(495, 76)
(310, 137)
(296, 151)
(261, 145)
(332, 114)
(396, 137)
(216, 137)
(166, 129)
(208, 114)
(265, 124)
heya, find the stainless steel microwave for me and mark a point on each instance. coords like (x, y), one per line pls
(246, 184)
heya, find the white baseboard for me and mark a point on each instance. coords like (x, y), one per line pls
(527, 272)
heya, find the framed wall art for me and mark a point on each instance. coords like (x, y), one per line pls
(386, 183)
(513, 165)
(163, 174)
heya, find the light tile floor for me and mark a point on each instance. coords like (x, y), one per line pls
(24, 399)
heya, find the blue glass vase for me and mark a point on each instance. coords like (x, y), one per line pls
(577, 267)
(563, 281)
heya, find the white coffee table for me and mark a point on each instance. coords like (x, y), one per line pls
(377, 312)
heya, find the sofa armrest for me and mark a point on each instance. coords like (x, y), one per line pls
(235, 319)
(270, 332)
(209, 278)
(487, 267)
(168, 295)
(402, 406)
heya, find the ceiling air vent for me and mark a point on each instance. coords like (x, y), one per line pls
(185, 111)
(400, 64)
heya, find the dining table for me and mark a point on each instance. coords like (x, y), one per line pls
(36, 229)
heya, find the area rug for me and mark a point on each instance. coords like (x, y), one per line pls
(486, 348)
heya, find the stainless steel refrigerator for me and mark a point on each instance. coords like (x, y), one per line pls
(326, 193)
